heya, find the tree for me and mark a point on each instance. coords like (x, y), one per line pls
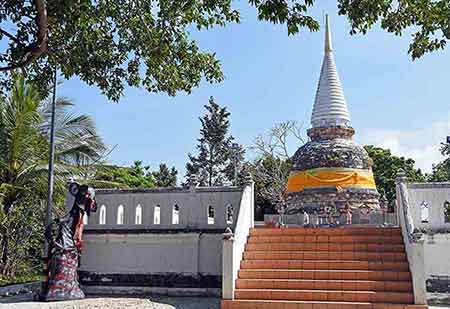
(165, 177)
(386, 167)
(147, 43)
(135, 176)
(109, 44)
(24, 131)
(441, 171)
(216, 158)
(272, 166)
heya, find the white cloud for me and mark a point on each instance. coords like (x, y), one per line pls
(421, 144)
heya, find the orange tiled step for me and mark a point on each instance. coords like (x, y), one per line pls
(324, 274)
(318, 247)
(285, 304)
(326, 255)
(325, 231)
(339, 285)
(326, 295)
(326, 239)
(325, 264)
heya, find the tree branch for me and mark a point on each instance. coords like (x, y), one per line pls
(9, 35)
(38, 48)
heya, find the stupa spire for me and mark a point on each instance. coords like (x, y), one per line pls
(328, 46)
(330, 107)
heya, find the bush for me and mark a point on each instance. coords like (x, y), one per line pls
(21, 242)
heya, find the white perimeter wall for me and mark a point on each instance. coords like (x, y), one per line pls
(435, 238)
(187, 253)
(437, 254)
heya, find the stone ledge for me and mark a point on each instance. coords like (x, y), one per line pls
(333, 189)
(118, 230)
(301, 199)
(438, 284)
(169, 190)
(427, 185)
(156, 280)
(15, 289)
(157, 291)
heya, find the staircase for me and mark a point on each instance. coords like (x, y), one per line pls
(332, 268)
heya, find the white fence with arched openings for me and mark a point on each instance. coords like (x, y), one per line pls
(166, 208)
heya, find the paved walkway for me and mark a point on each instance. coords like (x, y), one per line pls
(24, 302)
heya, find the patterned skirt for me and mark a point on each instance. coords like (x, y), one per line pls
(63, 279)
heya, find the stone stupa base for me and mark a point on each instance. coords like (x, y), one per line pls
(315, 200)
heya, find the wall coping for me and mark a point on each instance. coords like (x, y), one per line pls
(427, 185)
(170, 190)
(128, 230)
(15, 289)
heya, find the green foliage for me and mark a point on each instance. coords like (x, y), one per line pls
(30, 276)
(216, 158)
(21, 239)
(441, 171)
(135, 176)
(386, 167)
(111, 44)
(291, 13)
(24, 131)
(165, 177)
(147, 43)
(429, 20)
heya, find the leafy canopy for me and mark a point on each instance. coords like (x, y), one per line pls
(441, 171)
(385, 168)
(148, 43)
(135, 176)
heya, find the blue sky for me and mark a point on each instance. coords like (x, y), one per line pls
(270, 77)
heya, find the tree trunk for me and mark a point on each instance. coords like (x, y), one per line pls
(4, 257)
(210, 166)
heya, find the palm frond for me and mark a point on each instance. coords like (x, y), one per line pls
(24, 133)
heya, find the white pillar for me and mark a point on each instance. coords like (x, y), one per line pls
(227, 268)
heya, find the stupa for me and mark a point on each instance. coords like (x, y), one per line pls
(331, 170)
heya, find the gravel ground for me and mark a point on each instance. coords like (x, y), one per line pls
(113, 303)
(23, 302)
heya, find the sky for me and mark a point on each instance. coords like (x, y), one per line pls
(272, 77)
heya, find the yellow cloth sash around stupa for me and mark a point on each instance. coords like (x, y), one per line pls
(330, 177)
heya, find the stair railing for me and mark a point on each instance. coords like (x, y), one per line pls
(413, 241)
(234, 243)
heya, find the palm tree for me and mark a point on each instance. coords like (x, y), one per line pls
(24, 132)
